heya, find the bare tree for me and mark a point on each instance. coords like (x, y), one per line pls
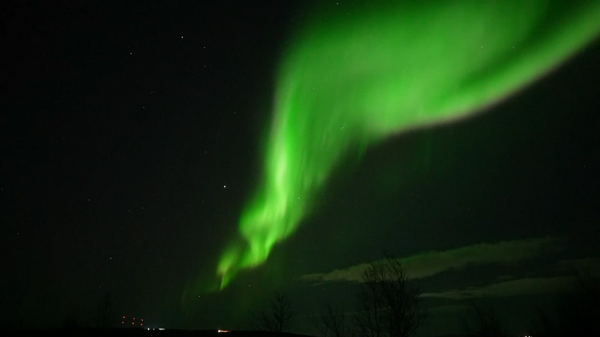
(389, 306)
(332, 322)
(280, 317)
(105, 312)
(543, 325)
(578, 312)
(484, 322)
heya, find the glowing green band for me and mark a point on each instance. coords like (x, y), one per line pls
(353, 78)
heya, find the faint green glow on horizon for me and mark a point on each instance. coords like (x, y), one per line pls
(354, 77)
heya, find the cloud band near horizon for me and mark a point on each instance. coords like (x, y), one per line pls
(431, 263)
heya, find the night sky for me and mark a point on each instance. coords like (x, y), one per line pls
(131, 137)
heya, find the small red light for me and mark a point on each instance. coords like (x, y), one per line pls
(132, 322)
(134, 318)
(122, 322)
(123, 316)
(142, 319)
(142, 324)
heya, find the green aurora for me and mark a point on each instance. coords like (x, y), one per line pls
(352, 78)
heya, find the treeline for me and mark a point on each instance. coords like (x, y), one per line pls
(390, 306)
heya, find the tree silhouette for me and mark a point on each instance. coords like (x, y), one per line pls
(105, 312)
(577, 312)
(389, 306)
(279, 319)
(484, 323)
(332, 322)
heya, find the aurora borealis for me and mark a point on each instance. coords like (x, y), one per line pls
(349, 82)
(190, 158)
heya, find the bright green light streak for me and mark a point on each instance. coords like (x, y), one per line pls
(358, 76)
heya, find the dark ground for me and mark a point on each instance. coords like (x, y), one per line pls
(142, 332)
